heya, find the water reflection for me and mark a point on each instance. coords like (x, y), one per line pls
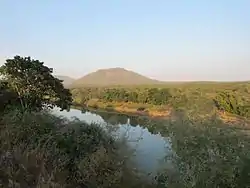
(200, 154)
(150, 148)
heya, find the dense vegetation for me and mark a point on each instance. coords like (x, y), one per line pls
(233, 103)
(33, 85)
(38, 149)
(41, 150)
(197, 98)
(204, 154)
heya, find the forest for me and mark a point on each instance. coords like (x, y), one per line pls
(233, 98)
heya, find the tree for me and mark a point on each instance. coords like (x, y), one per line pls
(34, 84)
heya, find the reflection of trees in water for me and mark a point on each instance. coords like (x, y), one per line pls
(206, 153)
(123, 119)
(154, 126)
(113, 118)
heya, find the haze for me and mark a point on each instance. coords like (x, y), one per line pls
(165, 40)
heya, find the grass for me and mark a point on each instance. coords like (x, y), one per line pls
(130, 108)
(41, 150)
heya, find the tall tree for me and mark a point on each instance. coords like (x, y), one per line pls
(34, 84)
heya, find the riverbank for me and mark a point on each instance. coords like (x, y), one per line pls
(232, 119)
(43, 146)
(203, 139)
(158, 112)
(129, 108)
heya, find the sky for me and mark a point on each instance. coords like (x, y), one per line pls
(172, 40)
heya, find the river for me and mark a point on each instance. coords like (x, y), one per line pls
(149, 149)
(200, 154)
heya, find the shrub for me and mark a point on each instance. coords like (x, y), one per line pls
(229, 102)
(39, 149)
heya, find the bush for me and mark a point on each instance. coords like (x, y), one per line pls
(206, 154)
(39, 149)
(231, 103)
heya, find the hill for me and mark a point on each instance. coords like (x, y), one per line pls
(114, 76)
(67, 81)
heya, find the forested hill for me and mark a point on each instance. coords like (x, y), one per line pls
(114, 76)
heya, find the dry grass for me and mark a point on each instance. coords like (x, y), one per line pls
(232, 119)
(40, 150)
(132, 108)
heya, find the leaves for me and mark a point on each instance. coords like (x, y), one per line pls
(231, 103)
(34, 84)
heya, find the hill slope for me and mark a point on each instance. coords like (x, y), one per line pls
(67, 81)
(114, 76)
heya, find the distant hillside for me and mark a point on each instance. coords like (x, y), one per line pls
(67, 81)
(114, 76)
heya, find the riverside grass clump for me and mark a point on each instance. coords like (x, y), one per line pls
(41, 150)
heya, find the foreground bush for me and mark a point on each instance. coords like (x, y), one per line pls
(206, 154)
(41, 150)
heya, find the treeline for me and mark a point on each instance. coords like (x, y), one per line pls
(155, 96)
(148, 96)
(235, 101)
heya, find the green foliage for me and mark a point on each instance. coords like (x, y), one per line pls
(158, 96)
(197, 98)
(206, 155)
(148, 96)
(230, 102)
(41, 150)
(199, 154)
(34, 84)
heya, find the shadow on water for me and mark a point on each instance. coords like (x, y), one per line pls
(184, 153)
(150, 146)
(149, 149)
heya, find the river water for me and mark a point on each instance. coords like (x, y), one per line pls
(149, 149)
(200, 155)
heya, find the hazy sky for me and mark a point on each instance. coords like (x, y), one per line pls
(163, 39)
